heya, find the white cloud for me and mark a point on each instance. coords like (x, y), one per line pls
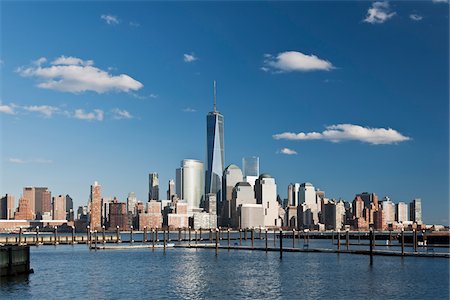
(46, 110)
(189, 57)
(110, 19)
(415, 17)
(348, 132)
(295, 61)
(7, 109)
(96, 115)
(119, 114)
(23, 161)
(288, 151)
(72, 74)
(379, 13)
(134, 24)
(189, 109)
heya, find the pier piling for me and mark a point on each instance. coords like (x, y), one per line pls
(281, 244)
(371, 235)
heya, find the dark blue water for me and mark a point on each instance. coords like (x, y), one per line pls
(67, 272)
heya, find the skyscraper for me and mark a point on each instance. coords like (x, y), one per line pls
(266, 194)
(59, 208)
(7, 207)
(401, 212)
(153, 186)
(69, 208)
(39, 200)
(231, 176)
(95, 207)
(215, 157)
(250, 169)
(131, 203)
(190, 184)
(415, 210)
(171, 189)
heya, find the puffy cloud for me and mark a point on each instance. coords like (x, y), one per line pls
(110, 19)
(379, 13)
(189, 57)
(288, 151)
(7, 109)
(96, 115)
(119, 114)
(72, 74)
(189, 109)
(45, 110)
(290, 61)
(415, 17)
(348, 132)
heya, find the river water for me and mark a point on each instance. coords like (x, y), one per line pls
(75, 272)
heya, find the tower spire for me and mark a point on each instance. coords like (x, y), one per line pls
(215, 100)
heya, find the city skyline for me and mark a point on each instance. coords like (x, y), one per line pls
(369, 139)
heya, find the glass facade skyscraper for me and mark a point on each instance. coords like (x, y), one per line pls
(215, 156)
(250, 166)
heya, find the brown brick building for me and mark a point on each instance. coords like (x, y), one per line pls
(118, 215)
(95, 204)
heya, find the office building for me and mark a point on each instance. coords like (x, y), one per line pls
(401, 212)
(389, 210)
(95, 207)
(415, 211)
(334, 215)
(23, 211)
(59, 208)
(309, 206)
(369, 198)
(190, 184)
(215, 154)
(69, 209)
(231, 176)
(118, 216)
(105, 210)
(243, 193)
(250, 169)
(153, 186)
(251, 215)
(152, 218)
(358, 207)
(266, 194)
(40, 200)
(293, 190)
(171, 190)
(7, 207)
(131, 203)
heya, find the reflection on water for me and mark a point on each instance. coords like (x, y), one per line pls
(67, 272)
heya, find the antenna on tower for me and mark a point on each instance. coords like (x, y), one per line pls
(215, 96)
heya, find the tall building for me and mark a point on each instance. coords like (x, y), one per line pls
(369, 198)
(389, 210)
(7, 207)
(415, 211)
(231, 176)
(190, 184)
(243, 193)
(250, 169)
(59, 208)
(105, 210)
(266, 194)
(401, 212)
(131, 203)
(358, 207)
(215, 155)
(309, 206)
(171, 189)
(118, 215)
(153, 186)
(23, 211)
(69, 208)
(334, 215)
(293, 190)
(40, 200)
(95, 203)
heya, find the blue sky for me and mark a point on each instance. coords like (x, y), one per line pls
(351, 96)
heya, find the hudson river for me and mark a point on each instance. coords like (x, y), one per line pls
(74, 272)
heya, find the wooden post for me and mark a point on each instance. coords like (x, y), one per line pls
(117, 234)
(131, 234)
(73, 234)
(390, 236)
(245, 234)
(293, 238)
(200, 233)
(156, 234)
(210, 234)
(403, 242)
(371, 245)
(196, 236)
(37, 235)
(347, 239)
(145, 234)
(164, 233)
(267, 233)
(274, 237)
(179, 234)
(415, 240)
(240, 237)
(55, 242)
(103, 234)
(332, 238)
(95, 233)
(260, 233)
(217, 241)
(339, 240)
(189, 236)
(253, 236)
(281, 244)
(153, 238)
(228, 237)
(20, 235)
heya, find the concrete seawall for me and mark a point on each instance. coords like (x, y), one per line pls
(14, 260)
